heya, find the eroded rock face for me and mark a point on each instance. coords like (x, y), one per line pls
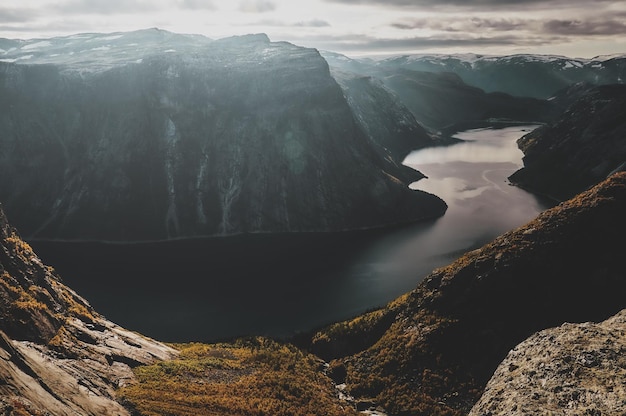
(202, 138)
(57, 355)
(571, 369)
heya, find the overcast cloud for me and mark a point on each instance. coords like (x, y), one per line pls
(581, 28)
(197, 4)
(256, 6)
(474, 4)
(104, 6)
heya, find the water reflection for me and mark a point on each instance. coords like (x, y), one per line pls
(472, 178)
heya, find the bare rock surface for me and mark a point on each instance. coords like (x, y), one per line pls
(57, 355)
(574, 369)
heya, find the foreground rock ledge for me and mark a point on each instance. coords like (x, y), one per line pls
(57, 355)
(572, 369)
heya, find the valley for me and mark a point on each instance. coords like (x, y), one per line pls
(307, 233)
(243, 285)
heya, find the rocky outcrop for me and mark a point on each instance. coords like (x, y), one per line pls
(433, 350)
(57, 355)
(185, 136)
(581, 148)
(572, 369)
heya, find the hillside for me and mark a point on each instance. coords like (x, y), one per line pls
(57, 355)
(433, 350)
(584, 145)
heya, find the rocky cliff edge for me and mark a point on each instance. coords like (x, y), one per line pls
(57, 355)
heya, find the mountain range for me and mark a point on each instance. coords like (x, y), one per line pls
(188, 136)
(537, 76)
(151, 135)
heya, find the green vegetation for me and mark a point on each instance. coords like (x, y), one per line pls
(254, 376)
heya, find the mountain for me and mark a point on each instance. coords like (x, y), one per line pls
(151, 135)
(443, 100)
(433, 350)
(57, 355)
(537, 76)
(580, 148)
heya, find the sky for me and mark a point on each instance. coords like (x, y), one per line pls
(575, 28)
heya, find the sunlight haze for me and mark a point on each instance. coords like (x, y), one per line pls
(353, 27)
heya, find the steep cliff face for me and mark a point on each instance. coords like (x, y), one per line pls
(433, 350)
(57, 355)
(571, 369)
(204, 138)
(581, 148)
(387, 122)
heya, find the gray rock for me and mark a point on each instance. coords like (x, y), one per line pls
(57, 355)
(575, 369)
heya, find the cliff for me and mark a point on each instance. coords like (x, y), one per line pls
(433, 350)
(581, 148)
(387, 122)
(150, 135)
(57, 355)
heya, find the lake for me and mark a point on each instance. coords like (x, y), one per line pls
(210, 289)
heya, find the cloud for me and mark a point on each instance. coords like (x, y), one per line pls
(591, 27)
(17, 15)
(474, 4)
(312, 23)
(463, 24)
(105, 7)
(363, 43)
(499, 24)
(282, 23)
(256, 6)
(197, 4)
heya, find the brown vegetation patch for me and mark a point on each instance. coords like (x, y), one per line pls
(255, 376)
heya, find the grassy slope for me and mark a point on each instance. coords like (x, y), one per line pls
(255, 376)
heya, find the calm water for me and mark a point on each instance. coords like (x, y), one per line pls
(215, 288)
